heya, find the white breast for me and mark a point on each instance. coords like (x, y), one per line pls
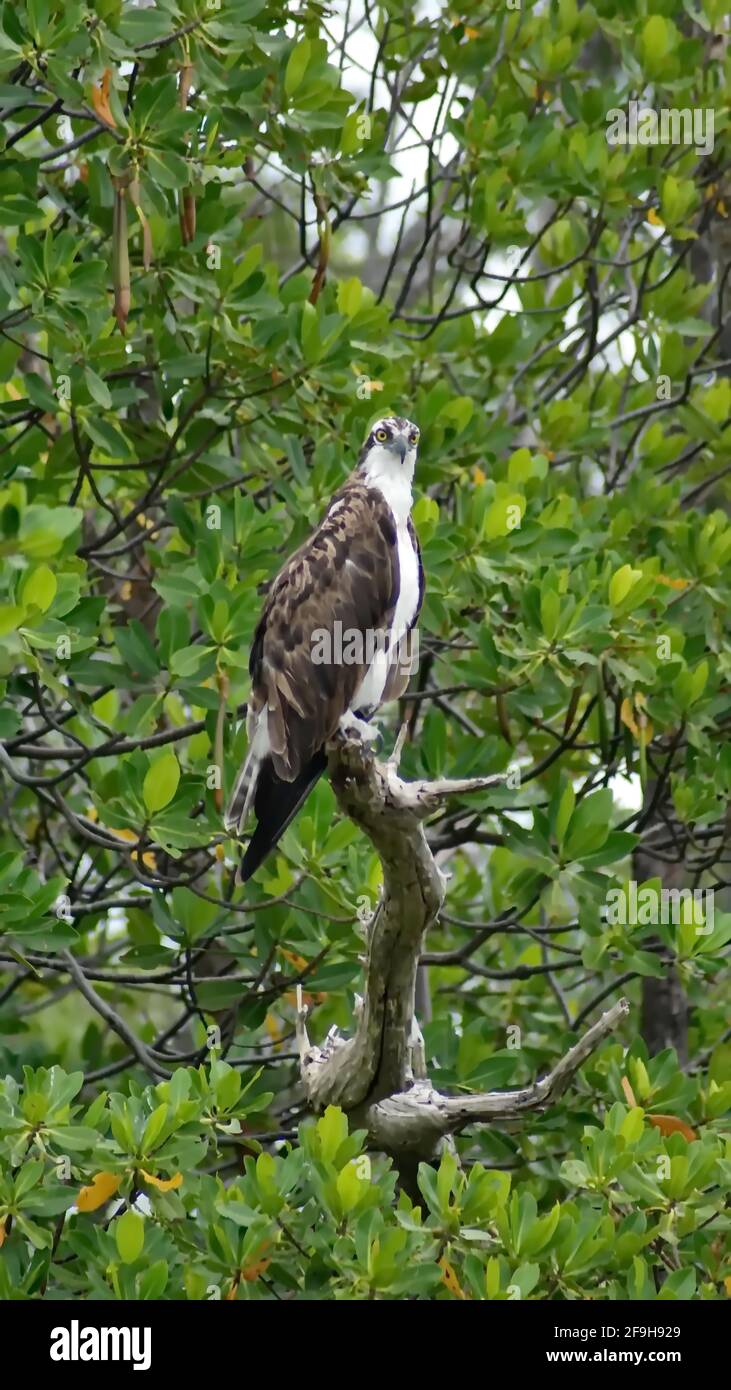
(408, 598)
(370, 693)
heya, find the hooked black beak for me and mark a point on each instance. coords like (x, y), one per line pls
(400, 447)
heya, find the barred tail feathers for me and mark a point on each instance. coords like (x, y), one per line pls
(242, 796)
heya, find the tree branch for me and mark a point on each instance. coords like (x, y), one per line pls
(379, 1075)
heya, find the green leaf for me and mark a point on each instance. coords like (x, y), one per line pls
(504, 516)
(11, 616)
(129, 1233)
(332, 1131)
(589, 824)
(550, 613)
(458, 411)
(350, 1187)
(15, 212)
(350, 294)
(40, 393)
(154, 1128)
(492, 1277)
(98, 390)
(43, 530)
(38, 588)
(446, 1174)
(656, 36)
(136, 649)
(310, 333)
(565, 811)
(111, 440)
(153, 1282)
(168, 169)
(679, 1286)
(161, 782)
(621, 583)
(297, 66)
(633, 1125)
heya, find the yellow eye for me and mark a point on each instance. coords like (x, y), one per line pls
(414, 437)
(381, 436)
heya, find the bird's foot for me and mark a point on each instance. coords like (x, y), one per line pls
(350, 724)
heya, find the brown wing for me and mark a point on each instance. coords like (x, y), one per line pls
(347, 573)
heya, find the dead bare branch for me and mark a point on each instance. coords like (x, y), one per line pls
(379, 1075)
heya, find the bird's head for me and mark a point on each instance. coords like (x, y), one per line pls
(390, 449)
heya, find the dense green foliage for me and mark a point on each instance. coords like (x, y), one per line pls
(324, 1221)
(232, 240)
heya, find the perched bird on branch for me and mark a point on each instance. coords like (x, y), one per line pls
(332, 644)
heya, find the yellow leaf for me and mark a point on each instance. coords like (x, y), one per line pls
(727, 1284)
(670, 1124)
(100, 99)
(633, 717)
(450, 1280)
(148, 859)
(298, 962)
(163, 1184)
(101, 1188)
(629, 1093)
(219, 853)
(672, 583)
(251, 1271)
(308, 1000)
(626, 714)
(273, 1027)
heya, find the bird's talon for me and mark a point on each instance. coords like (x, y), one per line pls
(350, 724)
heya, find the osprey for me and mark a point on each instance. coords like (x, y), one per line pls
(331, 645)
